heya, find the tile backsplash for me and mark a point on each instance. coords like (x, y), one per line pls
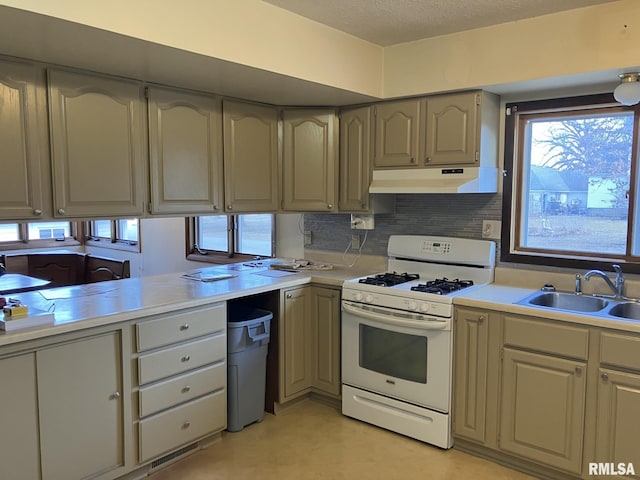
(452, 215)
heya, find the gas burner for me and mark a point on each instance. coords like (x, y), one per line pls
(442, 286)
(389, 279)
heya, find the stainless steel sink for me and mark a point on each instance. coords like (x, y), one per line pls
(566, 301)
(630, 310)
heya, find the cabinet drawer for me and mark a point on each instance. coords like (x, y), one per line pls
(181, 358)
(620, 350)
(168, 393)
(171, 429)
(181, 326)
(538, 335)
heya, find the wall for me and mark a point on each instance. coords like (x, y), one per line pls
(456, 215)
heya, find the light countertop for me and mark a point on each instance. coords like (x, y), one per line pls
(85, 306)
(503, 298)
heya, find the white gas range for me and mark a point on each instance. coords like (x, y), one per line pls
(396, 334)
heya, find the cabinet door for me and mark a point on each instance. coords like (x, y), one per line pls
(80, 406)
(297, 354)
(251, 166)
(542, 409)
(470, 376)
(325, 339)
(618, 419)
(452, 129)
(397, 134)
(98, 145)
(23, 140)
(310, 160)
(355, 159)
(19, 454)
(185, 152)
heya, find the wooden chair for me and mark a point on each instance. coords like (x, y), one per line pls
(100, 269)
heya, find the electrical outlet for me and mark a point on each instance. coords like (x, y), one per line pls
(491, 229)
(307, 237)
(362, 222)
(355, 241)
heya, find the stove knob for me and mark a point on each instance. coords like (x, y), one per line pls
(358, 297)
(368, 298)
(413, 305)
(424, 307)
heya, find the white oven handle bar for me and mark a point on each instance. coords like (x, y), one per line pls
(395, 317)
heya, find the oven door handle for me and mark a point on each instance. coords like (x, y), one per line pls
(393, 317)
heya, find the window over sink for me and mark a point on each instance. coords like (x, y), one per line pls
(571, 190)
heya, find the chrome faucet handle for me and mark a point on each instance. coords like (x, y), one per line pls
(617, 268)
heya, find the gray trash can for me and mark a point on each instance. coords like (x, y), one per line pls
(247, 343)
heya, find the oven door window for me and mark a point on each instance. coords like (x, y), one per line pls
(398, 355)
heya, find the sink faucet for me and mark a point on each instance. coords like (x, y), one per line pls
(618, 287)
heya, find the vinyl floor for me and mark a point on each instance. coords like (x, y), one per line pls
(311, 440)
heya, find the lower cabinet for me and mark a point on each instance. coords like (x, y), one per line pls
(19, 452)
(542, 408)
(182, 378)
(310, 342)
(80, 408)
(63, 413)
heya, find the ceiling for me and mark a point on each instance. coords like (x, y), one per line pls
(388, 22)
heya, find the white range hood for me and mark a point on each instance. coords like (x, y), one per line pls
(436, 180)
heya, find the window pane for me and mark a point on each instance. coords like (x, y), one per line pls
(101, 228)
(576, 178)
(49, 230)
(128, 230)
(9, 232)
(254, 234)
(212, 233)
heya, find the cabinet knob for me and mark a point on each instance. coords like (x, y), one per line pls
(61, 211)
(481, 319)
(427, 160)
(184, 326)
(186, 425)
(215, 207)
(37, 212)
(604, 376)
(115, 395)
(578, 370)
(364, 205)
(412, 160)
(330, 206)
(186, 388)
(186, 358)
(229, 207)
(289, 295)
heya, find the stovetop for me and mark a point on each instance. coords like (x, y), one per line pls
(442, 286)
(389, 279)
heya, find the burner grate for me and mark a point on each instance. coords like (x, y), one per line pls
(389, 279)
(442, 286)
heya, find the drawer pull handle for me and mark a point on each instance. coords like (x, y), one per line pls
(184, 327)
(186, 425)
(186, 388)
(578, 370)
(604, 377)
(186, 358)
(481, 319)
(115, 395)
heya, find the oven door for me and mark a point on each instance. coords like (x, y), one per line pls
(399, 354)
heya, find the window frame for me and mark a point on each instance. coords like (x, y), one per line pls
(513, 183)
(25, 243)
(195, 253)
(113, 241)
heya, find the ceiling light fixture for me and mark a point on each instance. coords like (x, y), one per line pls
(628, 92)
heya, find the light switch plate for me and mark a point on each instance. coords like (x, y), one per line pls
(491, 229)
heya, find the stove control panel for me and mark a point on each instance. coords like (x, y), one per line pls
(441, 248)
(398, 302)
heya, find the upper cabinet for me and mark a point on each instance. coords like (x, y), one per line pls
(25, 193)
(98, 145)
(398, 133)
(251, 160)
(310, 160)
(461, 129)
(185, 152)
